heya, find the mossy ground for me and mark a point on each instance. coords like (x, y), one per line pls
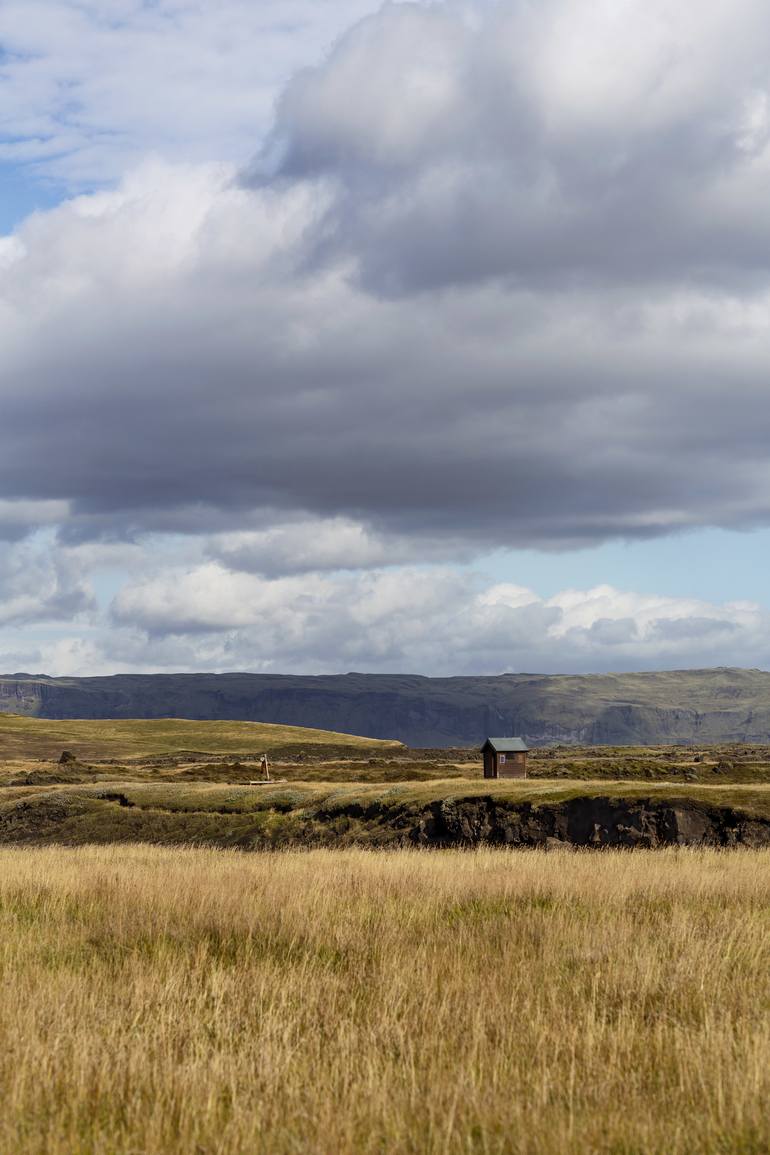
(301, 813)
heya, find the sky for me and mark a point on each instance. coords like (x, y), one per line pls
(425, 336)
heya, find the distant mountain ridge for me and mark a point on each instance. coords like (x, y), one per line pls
(692, 706)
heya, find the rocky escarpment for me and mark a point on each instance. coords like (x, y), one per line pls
(587, 822)
(235, 817)
(22, 696)
(684, 706)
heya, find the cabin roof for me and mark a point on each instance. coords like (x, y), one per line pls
(506, 745)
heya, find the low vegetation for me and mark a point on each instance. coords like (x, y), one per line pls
(177, 1001)
(163, 998)
(143, 780)
(170, 749)
(139, 739)
(452, 812)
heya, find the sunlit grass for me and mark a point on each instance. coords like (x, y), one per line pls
(22, 737)
(161, 1000)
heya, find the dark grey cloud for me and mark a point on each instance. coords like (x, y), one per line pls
(548, 144)
(482, 289)
(18, 518)
(40, 584)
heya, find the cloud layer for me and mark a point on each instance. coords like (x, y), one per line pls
(436, 619)
(550, 142)
(496, 277)
(88, 87)
(474, 296)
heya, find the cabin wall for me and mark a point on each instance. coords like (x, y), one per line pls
(515, 766)
(489, 764)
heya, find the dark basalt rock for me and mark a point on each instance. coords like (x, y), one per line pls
(587, 822)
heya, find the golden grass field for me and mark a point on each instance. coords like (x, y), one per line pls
(210, 1002)
(134, 738)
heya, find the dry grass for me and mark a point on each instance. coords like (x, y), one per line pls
(32, 738)
(191, 1001)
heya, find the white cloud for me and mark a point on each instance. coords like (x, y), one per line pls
(88, 87)
(583, 609)
(436, 620)
(481, 288)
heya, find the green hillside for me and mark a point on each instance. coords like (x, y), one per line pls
(23, 737)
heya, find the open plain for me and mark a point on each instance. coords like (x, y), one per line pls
(175, 782)
(417, 961)
(164, 1000)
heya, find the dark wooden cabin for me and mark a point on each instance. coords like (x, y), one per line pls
(505, 758)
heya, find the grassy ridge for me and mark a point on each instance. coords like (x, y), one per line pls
(203, 797)
(305, 814)
(23, 737)
(178, 1001)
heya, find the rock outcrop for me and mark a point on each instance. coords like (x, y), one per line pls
(689, 706)
(587, 822)
(288, 818)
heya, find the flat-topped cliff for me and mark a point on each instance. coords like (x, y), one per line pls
(687, 706)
